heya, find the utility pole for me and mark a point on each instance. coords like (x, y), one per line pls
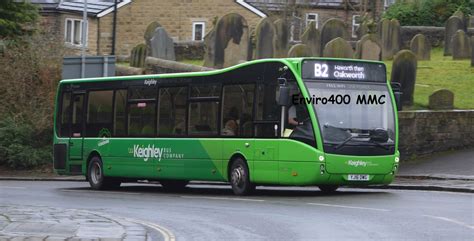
(114, 28)
(84, 40)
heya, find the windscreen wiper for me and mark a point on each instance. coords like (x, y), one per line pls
(380, 145)
(353, 135)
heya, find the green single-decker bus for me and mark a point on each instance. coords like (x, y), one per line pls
(295, 121)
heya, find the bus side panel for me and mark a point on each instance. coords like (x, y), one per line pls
(129, 157)
(265, 164)
(299, 164)
(205, 159)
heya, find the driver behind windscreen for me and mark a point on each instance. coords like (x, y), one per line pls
(297, 112)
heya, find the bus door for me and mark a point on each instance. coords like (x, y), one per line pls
(77, 127)
(267, 132)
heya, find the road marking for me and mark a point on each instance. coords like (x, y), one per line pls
(351, 207)
(106, 192)
(12, 187)
(167, 235)
(451, 221)
(223, 198)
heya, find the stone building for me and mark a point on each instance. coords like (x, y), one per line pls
(184, 20)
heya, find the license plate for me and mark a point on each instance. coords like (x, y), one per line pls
(358, 177)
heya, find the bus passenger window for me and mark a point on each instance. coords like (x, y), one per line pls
(141, 119)
(237, 110)
(99, 113)
(172, 111)
(203, 118)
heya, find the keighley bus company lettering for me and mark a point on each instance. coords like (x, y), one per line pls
(150, 151)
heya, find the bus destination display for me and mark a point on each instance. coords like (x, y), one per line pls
(343, 70)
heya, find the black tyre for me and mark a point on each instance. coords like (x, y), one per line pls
(328, 188)
(240, 179)
(96, 177)
(173, 185)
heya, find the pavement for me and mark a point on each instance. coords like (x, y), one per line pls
(56, 224)
(449, 171)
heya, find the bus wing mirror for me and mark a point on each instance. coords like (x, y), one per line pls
(397, 93)
(284, 96)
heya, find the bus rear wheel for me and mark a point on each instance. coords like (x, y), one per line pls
(173, 185)
(96, 177)
(240, 178)
(328, 188)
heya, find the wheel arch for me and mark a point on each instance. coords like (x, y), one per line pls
(234, 157)
(93, 153)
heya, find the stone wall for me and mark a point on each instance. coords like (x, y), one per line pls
(434, 34)
(189, 50)
(428, 132)
(162, 66)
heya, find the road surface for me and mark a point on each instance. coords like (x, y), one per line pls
(204, 212)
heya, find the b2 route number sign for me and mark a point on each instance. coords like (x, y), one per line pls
(343, 70)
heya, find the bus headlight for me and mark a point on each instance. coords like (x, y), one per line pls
(397, 159)
(321, 158)
(322, 169)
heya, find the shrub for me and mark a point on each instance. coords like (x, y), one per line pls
(426, 12)
(21, 145)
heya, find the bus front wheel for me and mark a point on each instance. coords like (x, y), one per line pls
(240, 178)
(328, 188)
(96, 177)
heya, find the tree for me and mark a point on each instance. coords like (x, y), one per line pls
(17, 18)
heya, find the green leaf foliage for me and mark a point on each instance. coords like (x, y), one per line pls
(17, 18)
(426, 12)
(22, 146)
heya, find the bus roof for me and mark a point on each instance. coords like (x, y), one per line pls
(288, 61)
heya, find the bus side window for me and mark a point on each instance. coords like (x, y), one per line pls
(65, 115)
(172, 111)
(203, 109)
(119, 113)
(237, 110)
(99, 113)
(141, 111)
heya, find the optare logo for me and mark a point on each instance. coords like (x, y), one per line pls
(150, 82)
(357, 163)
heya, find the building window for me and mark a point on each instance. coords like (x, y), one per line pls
(312, 17)
(199, 29)
(73, 32)
(355, 25)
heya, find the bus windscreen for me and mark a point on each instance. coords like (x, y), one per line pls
(343, 71)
